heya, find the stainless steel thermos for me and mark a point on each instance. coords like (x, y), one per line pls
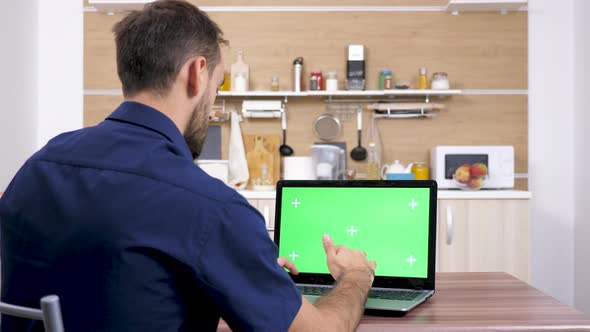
(298, 74)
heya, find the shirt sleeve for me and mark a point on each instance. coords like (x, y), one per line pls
(239, 270)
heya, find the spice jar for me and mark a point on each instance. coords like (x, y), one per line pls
(420, 170)
(331, 81)
(317, 79)
(385, 79)
(313, 83)
(440, 81)
(274, 84)
(422, 80)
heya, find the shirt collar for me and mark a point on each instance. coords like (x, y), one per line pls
(150, 118)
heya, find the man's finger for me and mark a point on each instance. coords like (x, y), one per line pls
(284, 262)
(373, 265)
(328, 245)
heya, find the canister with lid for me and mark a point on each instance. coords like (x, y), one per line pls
(420, 170)
(440, 81)
(331, 81)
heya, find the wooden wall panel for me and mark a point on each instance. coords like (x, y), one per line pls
(479, 51)
(467, 120)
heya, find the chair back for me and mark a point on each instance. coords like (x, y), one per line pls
(50, 313)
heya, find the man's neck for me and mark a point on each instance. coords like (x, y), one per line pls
(165, 105)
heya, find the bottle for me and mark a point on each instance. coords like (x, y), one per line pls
(274, 84)
(422, 80)
(373, 168)
(373, 152)
(320, 79)
(297, 74)
(240, 74)
(388, 80)
(240, 82)
(226, 82)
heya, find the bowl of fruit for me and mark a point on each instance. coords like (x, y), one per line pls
(471, 177)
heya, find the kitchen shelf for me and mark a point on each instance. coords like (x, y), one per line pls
(333, 96)
(341, 93)
(503, 6)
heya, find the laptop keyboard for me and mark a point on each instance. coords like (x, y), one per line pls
(317, 291)
(398, 295)
(393, 295)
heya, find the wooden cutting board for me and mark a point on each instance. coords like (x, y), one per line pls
(263, 149)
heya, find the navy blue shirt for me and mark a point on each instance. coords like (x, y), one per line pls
(119, 222)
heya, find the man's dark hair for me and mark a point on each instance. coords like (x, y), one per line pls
(154, 43)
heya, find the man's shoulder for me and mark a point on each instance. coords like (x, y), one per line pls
(196, 182)
(152, 160)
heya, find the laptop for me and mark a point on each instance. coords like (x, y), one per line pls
(394, 222)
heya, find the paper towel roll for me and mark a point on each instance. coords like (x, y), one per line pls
(298, 168)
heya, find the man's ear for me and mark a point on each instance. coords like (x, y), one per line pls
(197, 76)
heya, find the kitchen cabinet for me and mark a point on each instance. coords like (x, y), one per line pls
(267, 209)
(483, 235)
(477, 231)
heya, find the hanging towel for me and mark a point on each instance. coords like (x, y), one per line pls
(238, 166)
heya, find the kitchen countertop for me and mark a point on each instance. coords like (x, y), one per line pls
(442, 194)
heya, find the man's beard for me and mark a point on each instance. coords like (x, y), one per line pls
(196, 131)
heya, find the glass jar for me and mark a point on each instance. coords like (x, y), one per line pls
(420, 170)
(440, 81)
(313, 83)
(274, 84)
(316, 76)
(385, 79)
(331, 81)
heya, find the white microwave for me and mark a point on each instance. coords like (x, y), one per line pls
(499, 159)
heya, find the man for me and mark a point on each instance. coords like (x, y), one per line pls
(119, 222)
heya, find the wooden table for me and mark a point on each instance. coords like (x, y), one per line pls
(487, 301)
(491, 301)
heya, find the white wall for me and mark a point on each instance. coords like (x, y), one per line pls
(582, 155)
(60, 68)
(40, 77)
(18, 86)
(551, 146)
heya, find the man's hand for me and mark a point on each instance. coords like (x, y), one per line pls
(287, 264)
(343, 261)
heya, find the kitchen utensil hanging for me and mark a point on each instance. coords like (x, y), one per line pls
(359, 152)
(404, 110)
(327, 127)
(284, 149)
(344, 112)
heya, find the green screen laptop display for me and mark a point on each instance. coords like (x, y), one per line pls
(390, 224)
